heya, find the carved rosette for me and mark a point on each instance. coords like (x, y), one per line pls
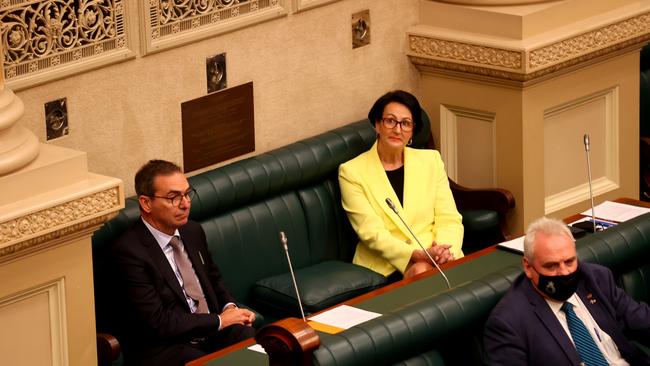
(27, 232)
(466, 59)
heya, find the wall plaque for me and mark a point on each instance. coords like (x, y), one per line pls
(218, 127)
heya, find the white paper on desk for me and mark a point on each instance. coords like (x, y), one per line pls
(516, 244)
(344, 316)
(619, 212)
(257, 348)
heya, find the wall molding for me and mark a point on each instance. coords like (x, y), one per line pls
(449, 116)
(55, 293)
(611, 180)
(301, 5)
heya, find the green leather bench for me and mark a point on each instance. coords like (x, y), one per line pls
(446, 329)
(244, 205)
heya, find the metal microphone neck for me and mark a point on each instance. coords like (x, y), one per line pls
(392, 206)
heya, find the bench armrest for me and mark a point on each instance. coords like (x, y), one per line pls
(289, 341)
(108, 349)
(495, 199)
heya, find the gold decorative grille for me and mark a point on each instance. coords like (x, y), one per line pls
(39, 36)
(174, 22)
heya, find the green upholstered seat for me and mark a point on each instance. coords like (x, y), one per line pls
(321, 286)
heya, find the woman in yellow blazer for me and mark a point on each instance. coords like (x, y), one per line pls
(415, 180)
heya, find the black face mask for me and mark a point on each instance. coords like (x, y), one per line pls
(558, 288)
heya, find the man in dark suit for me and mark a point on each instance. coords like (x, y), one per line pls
(563, 312)
(173, 304)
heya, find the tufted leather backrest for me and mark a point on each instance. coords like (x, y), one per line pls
(625, 249)
(621, 248)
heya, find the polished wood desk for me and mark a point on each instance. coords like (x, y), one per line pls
(399, 294)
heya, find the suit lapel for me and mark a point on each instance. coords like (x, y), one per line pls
(551, 323)
(160, 261)
(603, 318)
(380, 188)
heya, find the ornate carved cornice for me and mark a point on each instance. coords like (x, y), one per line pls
(428, 47)
(25, 233)
(589, 42)
(516, 66)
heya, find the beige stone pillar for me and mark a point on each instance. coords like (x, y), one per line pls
(18, 146)
(512, 90)
(50, 205)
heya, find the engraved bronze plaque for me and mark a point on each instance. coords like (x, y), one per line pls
(218, 127)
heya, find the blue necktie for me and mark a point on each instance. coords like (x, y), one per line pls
(587, 349)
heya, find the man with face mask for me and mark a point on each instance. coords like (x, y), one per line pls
(563, 312)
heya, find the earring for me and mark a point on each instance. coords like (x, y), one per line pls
(410, 142)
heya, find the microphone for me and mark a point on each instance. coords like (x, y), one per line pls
(586, 226)
(283, 239)
(392, 207)
(591, 193)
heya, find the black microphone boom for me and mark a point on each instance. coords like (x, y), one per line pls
(283, 239)
(392, 207)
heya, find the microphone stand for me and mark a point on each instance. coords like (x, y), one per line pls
(392, 207)
(283, 239)
(591, 193)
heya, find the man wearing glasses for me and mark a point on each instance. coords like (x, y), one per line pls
(175, 307)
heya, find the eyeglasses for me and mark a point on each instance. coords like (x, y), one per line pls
(176, 199)
(405, 124)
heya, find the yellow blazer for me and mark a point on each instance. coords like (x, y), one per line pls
(385, 244)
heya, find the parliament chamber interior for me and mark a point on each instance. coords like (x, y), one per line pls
(260, 102)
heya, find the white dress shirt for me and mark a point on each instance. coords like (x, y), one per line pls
(602, 339)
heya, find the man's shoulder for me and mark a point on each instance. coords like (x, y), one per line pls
(517, 296)
(129, 236)
(595, 270)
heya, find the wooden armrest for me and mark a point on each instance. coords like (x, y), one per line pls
(497, 199)
(108, 349)
(289, 341)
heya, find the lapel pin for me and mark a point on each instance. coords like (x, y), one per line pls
(591, 298)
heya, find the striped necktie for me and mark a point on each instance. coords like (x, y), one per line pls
(190, 281)
(587, 349)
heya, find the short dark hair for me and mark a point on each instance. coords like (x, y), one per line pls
(401, 97)
(153, 168)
